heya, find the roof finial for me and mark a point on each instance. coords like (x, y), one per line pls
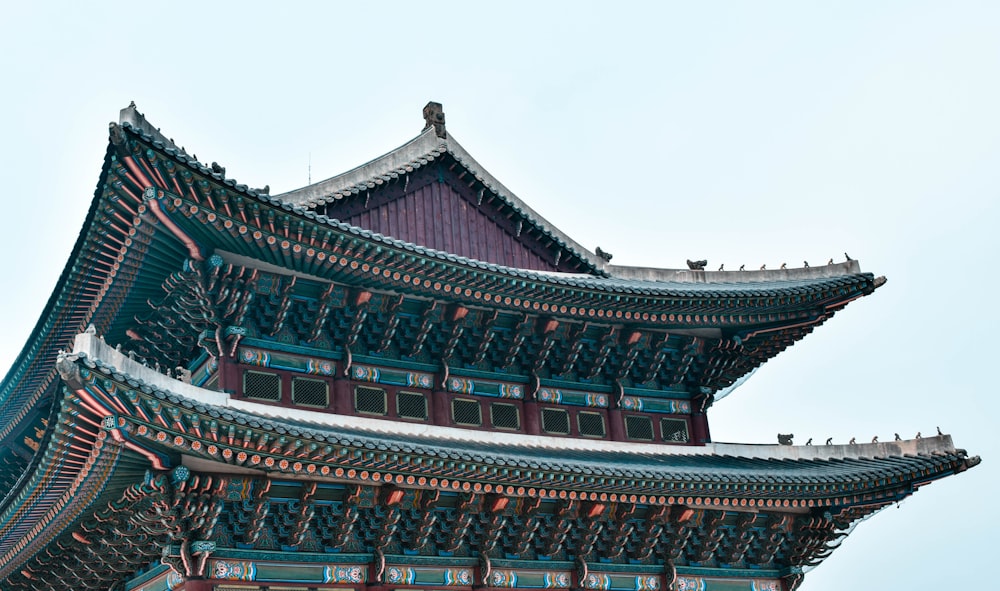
(434, 116)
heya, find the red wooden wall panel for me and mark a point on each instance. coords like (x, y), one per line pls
(437, 217)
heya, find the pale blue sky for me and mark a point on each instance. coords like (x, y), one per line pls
(754, 132)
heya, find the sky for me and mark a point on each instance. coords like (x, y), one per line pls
(738, 132)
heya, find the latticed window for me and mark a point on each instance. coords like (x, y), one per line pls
(591, 424)
(555, 420)
(674, 430)
(637, 427)
(369, 401)
(411, 405)
(261, 385)
(505, 416)
(310, 392)
(466, 412)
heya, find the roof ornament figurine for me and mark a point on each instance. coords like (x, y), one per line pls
(603, 254)
(434, 117)
(785, 439)
(696, 265)
(722, 267)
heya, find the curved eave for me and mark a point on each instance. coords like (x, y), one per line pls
(373, 450)
(75, 468)
(113, 253)
(264, 227)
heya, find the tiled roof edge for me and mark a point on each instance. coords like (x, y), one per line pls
(92, 347)
(425, 146)
(851, 267)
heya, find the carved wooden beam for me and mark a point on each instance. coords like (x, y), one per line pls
(603, 351)
(548, 328)
(430, 316)
(650, 536)
(428, 517)
(662, 352)
(576, 340)
(284, 304)
(294, 521)
(521, 332)
(710, 533)
(586, 537)
(390, 308)
(456, 316)
(633, 341)
(468, 507)
(390, 498)
(322, 313)
(527, 512)
(336, 530)
(489, 320)
(739, 540)
(687, 358)
(565, 515)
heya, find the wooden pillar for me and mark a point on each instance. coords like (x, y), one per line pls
(616, 424)
(230, 376)
(439, 408)
(532, 418)
(342, 403)
(699, 428)
(198, 585)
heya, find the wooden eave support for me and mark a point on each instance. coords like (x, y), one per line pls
(466, 510)
(528, 512)
(575, 346)
(603, 352)
(547, 327)
(392, 323)
(634, 342)
(488, 322)
(424, 529)
(567, 511)
(521, 332)
(430, 316)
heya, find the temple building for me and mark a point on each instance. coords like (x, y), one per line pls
(402, 377)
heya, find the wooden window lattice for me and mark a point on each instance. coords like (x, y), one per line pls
(674, 430)
(555, 421)
(505, 416)
(411, 405)
(638, 427)
(261, 385)
(369, 401)
(310, 392)
(591, 424)
(466, 412)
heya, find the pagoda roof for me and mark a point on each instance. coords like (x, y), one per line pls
(118, 416)
(781, 471)
(123, 255)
